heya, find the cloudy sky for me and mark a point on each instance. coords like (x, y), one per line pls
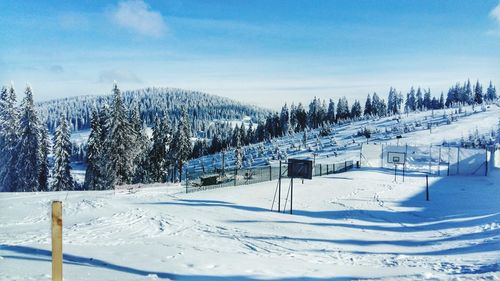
(263, 52)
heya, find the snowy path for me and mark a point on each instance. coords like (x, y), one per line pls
(352, 225)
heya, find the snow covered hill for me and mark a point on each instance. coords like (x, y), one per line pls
(152, 102)
(359, 224)
(344, 142)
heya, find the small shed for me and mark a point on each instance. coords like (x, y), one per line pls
(209, 179)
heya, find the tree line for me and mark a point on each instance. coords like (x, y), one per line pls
(25, 147)
(201, 108)
(320, 113)
(120, 151)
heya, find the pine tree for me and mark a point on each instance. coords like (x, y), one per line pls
(95, 172)
(356, 110)
(235, 136)
(140, 147)
(105, 122)
(269, 131)
(250, 133)
(427, 99)
(199, 148)
(478, 93)
(301, 118)
(285, 120)
(419, 100)
(451, 97)
(61, 173)
(243, 135)
(312, 114)
(434, 103)
(392, 102)
(27, 149)
(158, 160)
(9, 138)
(119, 141)
(181, 144)
(441, 101)
(330, 115)
(411, 104)
(43, 173)
(293, 117)
(377, 108)
(368, 106)
(491, 92)
(343, 109)
(216, 143)
(465, 94)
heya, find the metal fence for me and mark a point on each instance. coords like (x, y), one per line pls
(217, 178)
(435, 159)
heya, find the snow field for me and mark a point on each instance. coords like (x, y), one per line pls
(358, 224)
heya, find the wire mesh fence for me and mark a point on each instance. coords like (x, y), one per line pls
(433, 159)
(218, 178)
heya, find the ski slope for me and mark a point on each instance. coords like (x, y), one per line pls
(355, 225)
(344, 144)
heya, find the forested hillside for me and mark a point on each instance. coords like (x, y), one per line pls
(151, 102)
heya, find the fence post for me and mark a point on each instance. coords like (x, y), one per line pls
(345, 166)
(57, 256)
(486, 170)
(291, 196)
(223, 164)
(327, 169)
(320, 170)
(439, 162)
(235, 175)
(270, 173)
(279, 190)
(187, 182)
(426, 187)
(430, 158)
(449, 151)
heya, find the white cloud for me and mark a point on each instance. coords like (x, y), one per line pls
(119, 75)
(137, 16)
(495, 14)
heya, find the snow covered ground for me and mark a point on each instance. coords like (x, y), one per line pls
(354, 225)
(359, 224)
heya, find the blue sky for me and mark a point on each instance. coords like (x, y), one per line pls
(262, 52)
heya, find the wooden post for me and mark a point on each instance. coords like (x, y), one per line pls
(57, 256)
(270, 173)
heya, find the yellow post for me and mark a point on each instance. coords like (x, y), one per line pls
(57, 255)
